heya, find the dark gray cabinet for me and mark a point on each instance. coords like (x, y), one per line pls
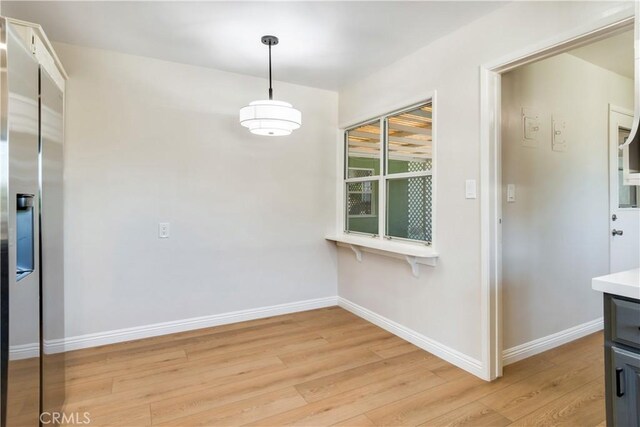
(622, 360)
(625, 373)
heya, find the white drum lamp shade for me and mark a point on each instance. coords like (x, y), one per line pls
(270, 118)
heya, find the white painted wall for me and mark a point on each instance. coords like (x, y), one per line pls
(149, 141)
(444, 304)
(556, 234)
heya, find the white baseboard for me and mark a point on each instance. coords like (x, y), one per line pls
(452, 356)
(461, 360)
(24, 351)
(128, 334)
(531, 348)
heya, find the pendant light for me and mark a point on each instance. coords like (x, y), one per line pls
(268, 117)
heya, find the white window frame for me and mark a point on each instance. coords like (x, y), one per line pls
(384, 177)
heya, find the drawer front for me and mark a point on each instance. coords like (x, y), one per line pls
(625, 321)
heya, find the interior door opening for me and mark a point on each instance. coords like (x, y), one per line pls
(558, 167)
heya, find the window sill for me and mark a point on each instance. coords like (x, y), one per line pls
(413, 254)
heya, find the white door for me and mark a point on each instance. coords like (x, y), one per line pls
(624, 219)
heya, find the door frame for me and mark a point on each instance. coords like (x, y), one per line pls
(491, 170)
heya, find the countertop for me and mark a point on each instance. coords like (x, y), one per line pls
(624, 284)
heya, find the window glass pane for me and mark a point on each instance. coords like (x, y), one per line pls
(410, 141)
(362, 207)
(363, 150)
(409, 208)
(628, 195)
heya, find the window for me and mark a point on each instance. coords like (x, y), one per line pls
(628, 195)
(389, 176)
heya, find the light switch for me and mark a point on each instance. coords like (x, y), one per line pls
(470, 189)
(511, 193)
(559, 142)
(530, 127)
(163, 230)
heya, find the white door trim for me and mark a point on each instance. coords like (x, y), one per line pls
(490, 170)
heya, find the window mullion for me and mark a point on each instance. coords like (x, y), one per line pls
(409, 175)
(382, 185)
(362, 179)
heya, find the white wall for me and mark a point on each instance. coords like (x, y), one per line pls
(556, 234)
(149, 141)
(444, 304)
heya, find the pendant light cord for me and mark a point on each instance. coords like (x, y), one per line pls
(270, 88)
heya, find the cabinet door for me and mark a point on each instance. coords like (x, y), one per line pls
(625, 377)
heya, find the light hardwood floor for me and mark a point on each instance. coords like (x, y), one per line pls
(324, 367)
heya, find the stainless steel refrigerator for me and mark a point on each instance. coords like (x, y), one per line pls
(31, 251)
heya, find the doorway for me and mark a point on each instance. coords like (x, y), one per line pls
(624, 199)
(555, 192)
(492, 191)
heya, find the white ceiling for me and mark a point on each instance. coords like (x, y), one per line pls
(613, 53)
(322, 44)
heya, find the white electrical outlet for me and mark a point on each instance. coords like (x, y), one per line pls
(163, 230)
